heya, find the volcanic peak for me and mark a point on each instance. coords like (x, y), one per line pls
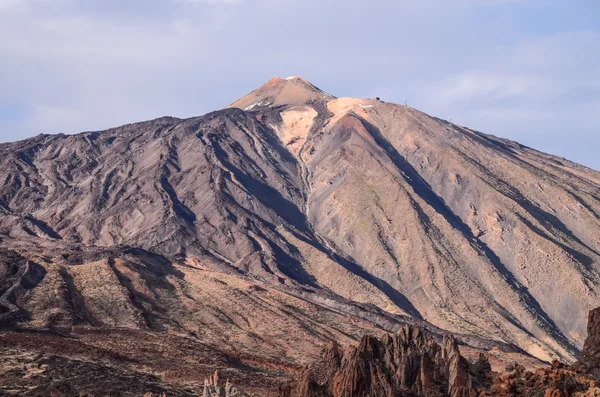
(277, 92)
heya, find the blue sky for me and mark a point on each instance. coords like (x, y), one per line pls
(527, 70)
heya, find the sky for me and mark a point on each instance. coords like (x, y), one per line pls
(527, 70)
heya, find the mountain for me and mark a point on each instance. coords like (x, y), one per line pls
(292, 217)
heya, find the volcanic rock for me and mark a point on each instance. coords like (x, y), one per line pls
(213, 388)
(408, 362)
(590, 355)
(414, 365)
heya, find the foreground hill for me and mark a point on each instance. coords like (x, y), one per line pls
(292, 217)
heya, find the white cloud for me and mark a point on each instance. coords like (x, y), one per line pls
(7, 6)
(544, 69)
(490, 85)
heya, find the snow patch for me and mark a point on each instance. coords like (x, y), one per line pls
(261, 103)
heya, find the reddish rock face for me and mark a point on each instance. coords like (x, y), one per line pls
(408, 362)
(591, 349)
(411, 364)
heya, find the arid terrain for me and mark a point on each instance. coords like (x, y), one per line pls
(145, 257)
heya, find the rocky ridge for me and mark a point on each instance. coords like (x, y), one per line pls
(410, 363)
(407, 362)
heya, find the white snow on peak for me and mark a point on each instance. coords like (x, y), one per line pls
(261, 103)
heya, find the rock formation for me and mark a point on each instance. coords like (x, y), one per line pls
(414, 365)
(590, 356)
(213, 388)
(557, 381)
(408, 362)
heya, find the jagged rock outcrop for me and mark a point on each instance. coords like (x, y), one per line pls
(412, 364)
(407, 362)
(213, 388)
(590, 356)
(557, 381)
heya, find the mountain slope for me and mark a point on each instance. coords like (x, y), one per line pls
(323, 217)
